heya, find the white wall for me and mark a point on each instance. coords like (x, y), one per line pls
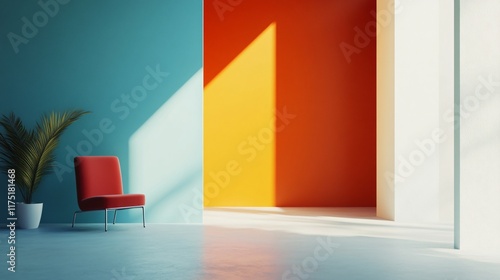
(446, 104)
(480, 125)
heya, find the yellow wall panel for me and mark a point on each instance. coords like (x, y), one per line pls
(239, 138)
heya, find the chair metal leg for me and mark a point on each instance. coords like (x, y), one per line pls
(143, 218)
(114, 217)
(74, 218)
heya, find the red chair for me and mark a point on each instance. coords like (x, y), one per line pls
(99, 187)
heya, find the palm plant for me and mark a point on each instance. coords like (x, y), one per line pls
(31, 152)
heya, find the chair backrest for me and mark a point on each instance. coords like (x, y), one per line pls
(97, 175)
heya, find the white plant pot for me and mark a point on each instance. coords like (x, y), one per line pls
(29, 215)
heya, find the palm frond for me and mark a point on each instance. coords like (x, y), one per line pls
(49, 131)
(31, 153)
(16, 137)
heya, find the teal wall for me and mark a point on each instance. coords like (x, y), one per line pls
(100, 55)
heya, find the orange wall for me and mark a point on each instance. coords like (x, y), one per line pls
(325, 156)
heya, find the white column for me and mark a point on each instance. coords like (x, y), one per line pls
(385, 109)
(409, 115)
(479, 215)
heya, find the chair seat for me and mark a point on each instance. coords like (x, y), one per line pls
(112, 201)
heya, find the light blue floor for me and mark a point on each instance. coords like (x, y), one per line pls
(353, 250)
(125, 252)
